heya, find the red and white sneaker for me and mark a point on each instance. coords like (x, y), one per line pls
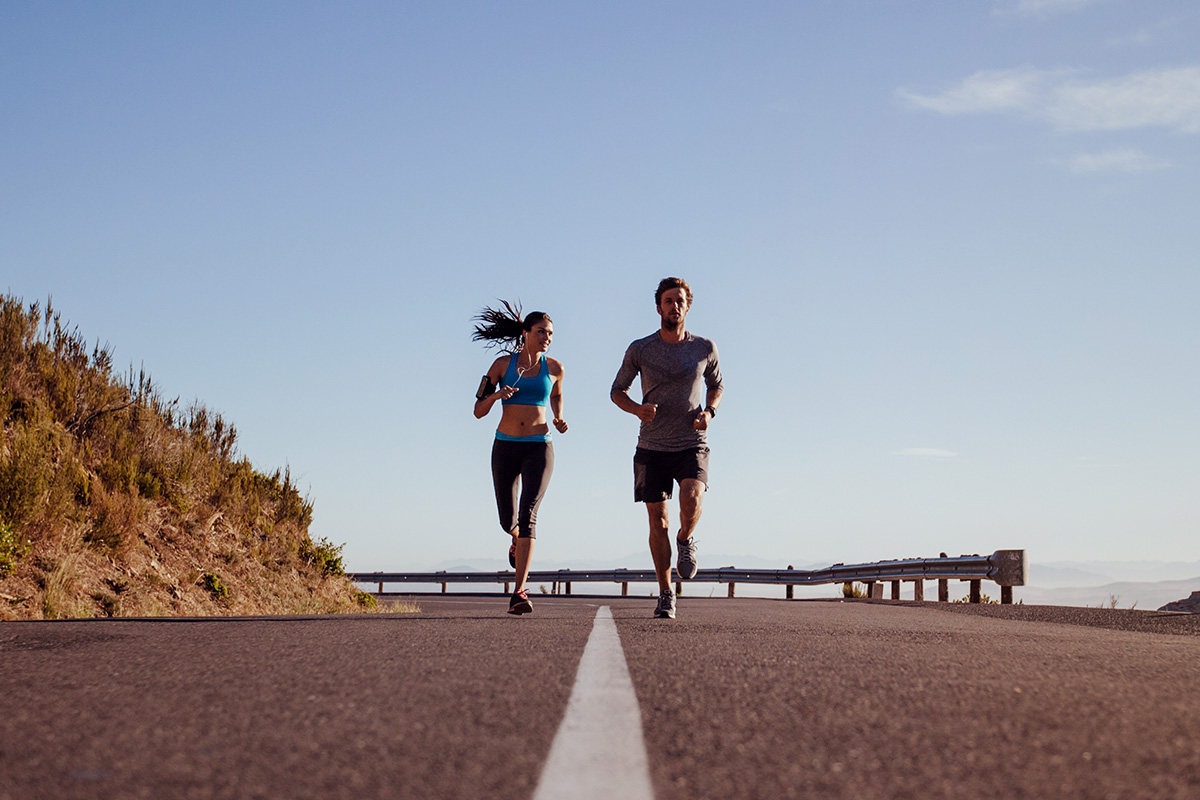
(519, 603)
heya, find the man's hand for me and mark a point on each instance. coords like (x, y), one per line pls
(702, 420)
(646, 411)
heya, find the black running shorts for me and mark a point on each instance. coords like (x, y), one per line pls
(655, 472)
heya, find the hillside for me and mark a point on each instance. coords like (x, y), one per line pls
(117, 502)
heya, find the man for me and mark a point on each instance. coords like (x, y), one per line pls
(681, 391)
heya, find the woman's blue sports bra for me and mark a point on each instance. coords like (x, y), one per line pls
(533, 391)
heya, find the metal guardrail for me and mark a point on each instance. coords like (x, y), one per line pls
(1007, 568)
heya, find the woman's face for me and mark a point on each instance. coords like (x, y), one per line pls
(537, 338)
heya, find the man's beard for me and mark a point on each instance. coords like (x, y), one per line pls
(672, 324)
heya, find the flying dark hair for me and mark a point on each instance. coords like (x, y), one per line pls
(667, 284)
(504, 326)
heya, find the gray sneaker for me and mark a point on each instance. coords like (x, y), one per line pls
(685, 565)
(666, 605)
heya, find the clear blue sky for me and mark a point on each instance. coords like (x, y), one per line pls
(949, 253)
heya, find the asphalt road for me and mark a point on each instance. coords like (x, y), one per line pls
(743, 698)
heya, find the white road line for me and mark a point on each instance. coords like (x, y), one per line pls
(599, 751)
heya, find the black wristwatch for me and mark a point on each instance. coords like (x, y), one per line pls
(712, 412)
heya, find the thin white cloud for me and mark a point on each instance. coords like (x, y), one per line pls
(1041, 8)
(1168, 98)
(988, 91)
(926, 452)
(1127, 160)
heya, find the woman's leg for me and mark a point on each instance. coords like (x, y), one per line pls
(536, 469)
(506, 470)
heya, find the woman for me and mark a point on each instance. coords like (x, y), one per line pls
(526, 383)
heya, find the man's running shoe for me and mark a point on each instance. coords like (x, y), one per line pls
(666, 605)
(685, 565)
(512, 556)
(519, 603)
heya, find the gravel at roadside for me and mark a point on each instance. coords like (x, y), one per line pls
(1122, 619)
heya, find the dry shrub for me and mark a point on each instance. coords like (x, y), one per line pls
(116, 501)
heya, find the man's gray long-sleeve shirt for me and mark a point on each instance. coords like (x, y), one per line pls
(676, 378)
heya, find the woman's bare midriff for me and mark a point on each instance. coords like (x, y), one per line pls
(523, 421)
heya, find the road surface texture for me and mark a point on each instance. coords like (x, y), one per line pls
(739, 698)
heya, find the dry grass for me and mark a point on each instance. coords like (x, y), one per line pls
(116, 502)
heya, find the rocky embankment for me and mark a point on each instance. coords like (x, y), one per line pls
(1190, 605)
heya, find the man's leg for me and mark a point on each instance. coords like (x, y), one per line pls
(691, 492)
(691, 496)
(660, 543)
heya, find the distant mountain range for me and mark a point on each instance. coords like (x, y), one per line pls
(1147, 585)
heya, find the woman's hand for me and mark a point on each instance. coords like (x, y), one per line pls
(560, 425)
(506, 392)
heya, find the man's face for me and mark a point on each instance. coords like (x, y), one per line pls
(673, 307)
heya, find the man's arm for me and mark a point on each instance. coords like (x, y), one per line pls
(712, 399)
(620, 388)
(643, 411)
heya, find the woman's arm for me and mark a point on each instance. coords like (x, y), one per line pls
(495, 374)
(556, 397)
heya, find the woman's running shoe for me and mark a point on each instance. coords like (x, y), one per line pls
(519, 603)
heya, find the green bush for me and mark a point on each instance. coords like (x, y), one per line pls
(325, 554)
(214, 586)
(983, 599)
(13, 548)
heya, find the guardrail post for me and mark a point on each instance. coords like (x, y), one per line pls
(943, 587)
(381, 587)
(895, 590)
(731, 589)
(975, 591)
(624, 588)
(790, 587)
(568, 587)
(678, 589)
(1009, 569)
(919, 590)
(506, 587)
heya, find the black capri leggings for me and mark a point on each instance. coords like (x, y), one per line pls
(531, 463)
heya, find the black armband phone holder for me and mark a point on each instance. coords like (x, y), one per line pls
(486, 387)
